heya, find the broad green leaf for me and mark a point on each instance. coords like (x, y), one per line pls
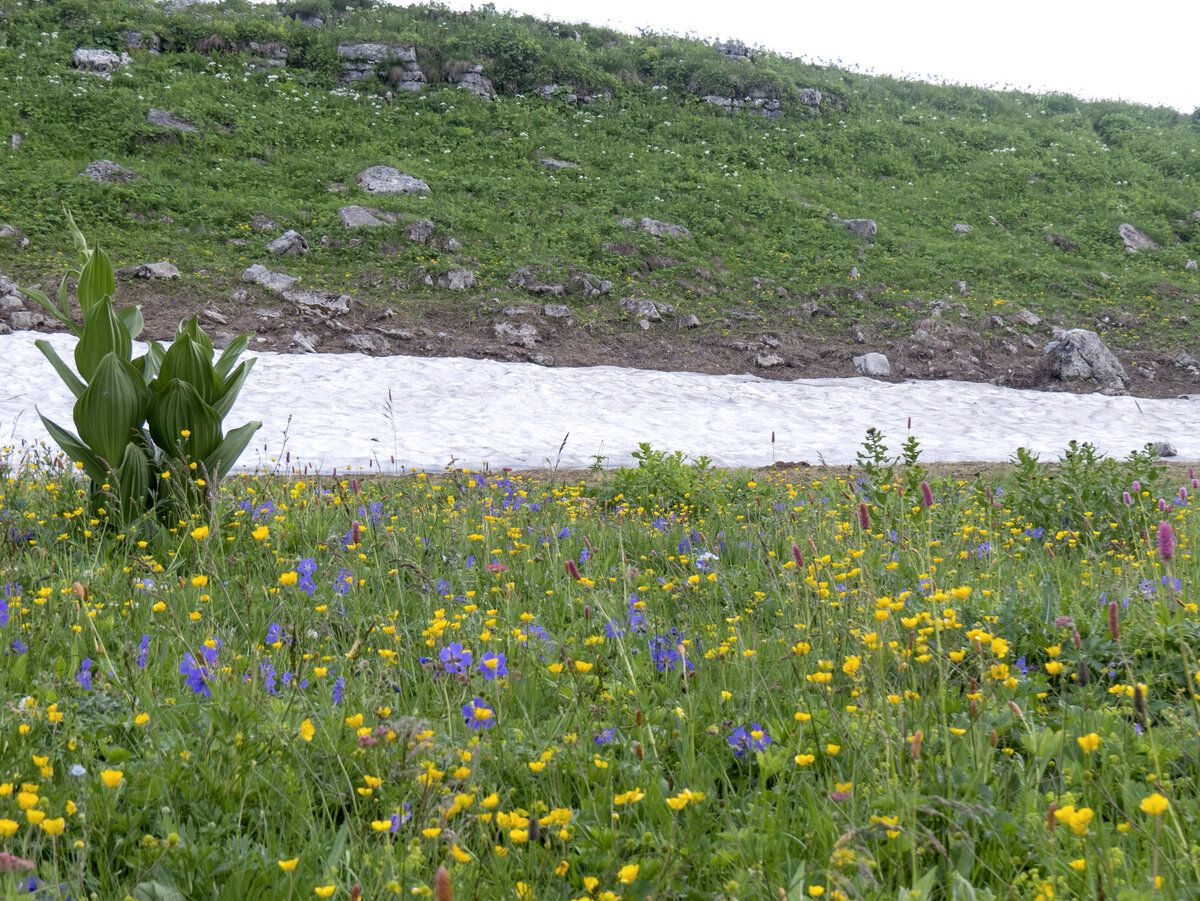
(132, 318)
(96, 281)
(81, 244)
(135, 476)
(176, 409)
(149, 363)
(233, 385)
(229, 355)
(222, 460)
(112, 406)
(77, 451)
(187, 361)
(65, 372)
(103, 333)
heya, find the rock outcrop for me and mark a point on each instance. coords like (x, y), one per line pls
(386, 180)
(1079, 354)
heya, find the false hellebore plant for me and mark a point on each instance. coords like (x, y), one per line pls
(149, 428)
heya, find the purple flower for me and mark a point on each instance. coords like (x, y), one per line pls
(456, 660)
(84, 677)
(753, 739)
(274, 634)
(339, 690)
(479, 714)
(345, 581)
(605, 736)
(1166, 541)
(196, 675)
(143, 652)
(493, 665)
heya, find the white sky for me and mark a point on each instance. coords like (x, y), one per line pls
(1091, 48)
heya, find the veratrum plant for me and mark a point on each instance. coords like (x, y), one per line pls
(149, 429)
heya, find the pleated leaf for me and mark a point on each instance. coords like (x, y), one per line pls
(96, 281)
(178, 408)
(231, 387)
(187, 361)
(68, 376)
(77, 451)
(103, 333)
(221, 461)
(112, 406)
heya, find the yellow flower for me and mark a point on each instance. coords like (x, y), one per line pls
(261, 533)
(54, 826)
(112, 778)
(459, 854)
(1078, 865)
(1155, 805)
(289, 578)
(1089, 742)
(583, 667)
(199, 581)
(537, 765)
(805, 759)
(628, 873)
(629, 797)
(561, 869)
(288, 865)
(1054, 667)
(431, 831)
(816, 891)
(201, 533)
(35, 816)
(307, 730)
(9, 827)
(355, 721)
(324, 891)
(590, 883)
(677, 803)
(832, 750)
(142, 718)
(26, 800)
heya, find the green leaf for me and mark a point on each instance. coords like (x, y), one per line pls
(187, 361)
(178, 408)
(76, 450)
(233, 385)
(48, 305)
(103, 333)
(68, 376)
(132, 319)
(135, 476)
(112, 406)
(96, 281)
(221, 461)
(156, 891)
(229, 355)
(149, 363)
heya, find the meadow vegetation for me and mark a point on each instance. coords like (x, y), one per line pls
(757, 195)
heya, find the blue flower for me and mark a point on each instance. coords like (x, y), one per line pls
(479, 714)
(564, 532)
(143, 652)
(456, 660)
(605, 736)
(196, 675)
(493, 665)
(274, 633)
(339, 690)
(345, 581)
(753, 739)
(84, 677)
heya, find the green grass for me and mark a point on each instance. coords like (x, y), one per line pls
(757, 195)
(836, 685)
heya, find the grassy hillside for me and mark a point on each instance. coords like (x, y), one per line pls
(757, 195)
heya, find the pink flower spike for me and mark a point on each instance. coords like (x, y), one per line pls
(573, 570)
(10, 863)
(926, 495)
(797, 556)
(1166, 541)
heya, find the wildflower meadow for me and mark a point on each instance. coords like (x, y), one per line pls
(778, 684)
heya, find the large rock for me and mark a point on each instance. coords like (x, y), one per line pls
(1134, 239)
(472, 80)
(644, 309)
(107, 170)
(362, 60)
(1079, 354)
(98, 62)
(457, 279)
(364, 217)
(810, 97)
(162, 270)
(864, 228)
(163, 119)
(758, 104)
(659, 229)
(522, 334)
(290, 241)
(321, 304)
(272, 281)
(420, 231)
(874, 365)
(554, 165)
(386, 180)
(1191, 266)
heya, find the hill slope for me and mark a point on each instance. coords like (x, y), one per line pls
(985, 204)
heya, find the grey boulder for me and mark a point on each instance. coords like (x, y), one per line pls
(386, 180)
(1079, 354)
(875, 365)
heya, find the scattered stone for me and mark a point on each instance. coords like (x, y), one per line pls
(267, 315)
(98, 62)
(1135, 239)
(769, 340)
(1190, 265)
(518, 311)
(472, 80)
(335, 187)
(621, 248)
(659, 229)
(642, 308)
(874, 365)
(644, 325)
(307, 19)
(1079, 354)
(290, 241)
(305, 343)
(556, 311)
(375, 345)
(554, 165)
(758, 104)
(5, 329)
(136, 40)
(1061, 243)
(216, 316)
(522, 334)
(962, 228)
(1027, 317)
(364, 217)
(318, 303)
(11, 231)
(688, 321)
(768, 361)
(446, 244)
(1106, 276)
(23, 321)
(457, 279)
(163, 119)
(961, 288)
(419, 232)
(271, 55)
(542, 359)
(150, 270)
(853, 272)
(272, 281)
(732, 49)
(810, 97)
(864, 228)
(108, 171)
(15, 141)
(1163, 449)
(386, 180)
(526, 278)
(589, 286)
(261, 222)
